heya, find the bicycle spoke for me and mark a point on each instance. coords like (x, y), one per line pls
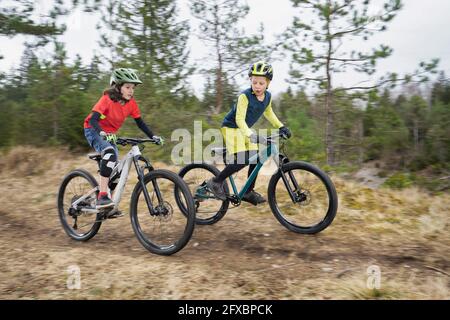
(312, 199)
(87, 224)
(206, 207)
(75, 189)
(167, 224)
(77, 186)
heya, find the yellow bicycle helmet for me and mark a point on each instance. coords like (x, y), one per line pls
(261, 68)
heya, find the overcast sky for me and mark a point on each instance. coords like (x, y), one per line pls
(420, 32)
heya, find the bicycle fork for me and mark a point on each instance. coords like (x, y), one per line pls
(280, 160)
(294, 197)
(141, 179)
(292, 194)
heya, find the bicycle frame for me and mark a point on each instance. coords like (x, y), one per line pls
(133, 156)
(123, 166)
(264, 155)
(270, 150)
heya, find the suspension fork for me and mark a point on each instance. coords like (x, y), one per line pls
(272, 149)
(149, 167)
(283, 160)
(294, 181)
(140, 175)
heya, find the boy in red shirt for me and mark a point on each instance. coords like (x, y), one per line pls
(106, 118)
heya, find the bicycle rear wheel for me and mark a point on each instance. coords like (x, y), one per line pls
(166, 230)
(79, 224)
(209, 209)
(315, 199)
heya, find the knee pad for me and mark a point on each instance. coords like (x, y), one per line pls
(107, 162)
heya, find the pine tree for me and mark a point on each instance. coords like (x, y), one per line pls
(109, 31)
(231, 49)
(295, 110)
(229, 96)
(437, 140)
(7, 121)
(414, 114)
(385, 133)
(441, 90)
(438, 135)
(55, 104)
(154, 42)
(15, 20)
(318, 54)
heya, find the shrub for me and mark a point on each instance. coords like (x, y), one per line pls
(399, 180)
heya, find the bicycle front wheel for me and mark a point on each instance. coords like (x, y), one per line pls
(166, 229)
(312, 205)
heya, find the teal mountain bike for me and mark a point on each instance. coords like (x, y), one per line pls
(301, 196)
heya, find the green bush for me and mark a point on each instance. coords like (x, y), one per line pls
(382, 174)
(399, 180)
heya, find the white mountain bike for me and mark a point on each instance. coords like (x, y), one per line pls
(159, 224)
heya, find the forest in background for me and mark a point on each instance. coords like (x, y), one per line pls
(401, 121)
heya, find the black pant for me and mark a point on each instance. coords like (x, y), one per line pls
(239, 161)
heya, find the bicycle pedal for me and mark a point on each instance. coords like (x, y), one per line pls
(114, 214)
(251, 202)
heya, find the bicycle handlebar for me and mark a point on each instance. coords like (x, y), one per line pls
(123, 141)
(276, 135)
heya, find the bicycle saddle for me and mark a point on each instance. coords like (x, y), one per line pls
(95, 156)
(219, 151)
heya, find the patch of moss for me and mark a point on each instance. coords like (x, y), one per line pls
(392, 220)
(399, 180)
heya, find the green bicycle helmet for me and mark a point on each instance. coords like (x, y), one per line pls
(261, 68)
(124, 75)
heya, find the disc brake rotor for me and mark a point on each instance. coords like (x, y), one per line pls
(303, 197)
(164, 211)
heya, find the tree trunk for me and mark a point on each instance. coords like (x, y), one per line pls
(360, 141)
(219, 72)
(416, 136)
(144, 36)
(329, 128)
(149, 51)
(55, 122)
(219, 89)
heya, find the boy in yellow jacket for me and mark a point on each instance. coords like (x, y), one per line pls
(239, 139)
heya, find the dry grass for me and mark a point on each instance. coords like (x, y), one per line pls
(247, 255)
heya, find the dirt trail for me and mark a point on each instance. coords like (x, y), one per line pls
(247, 255)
